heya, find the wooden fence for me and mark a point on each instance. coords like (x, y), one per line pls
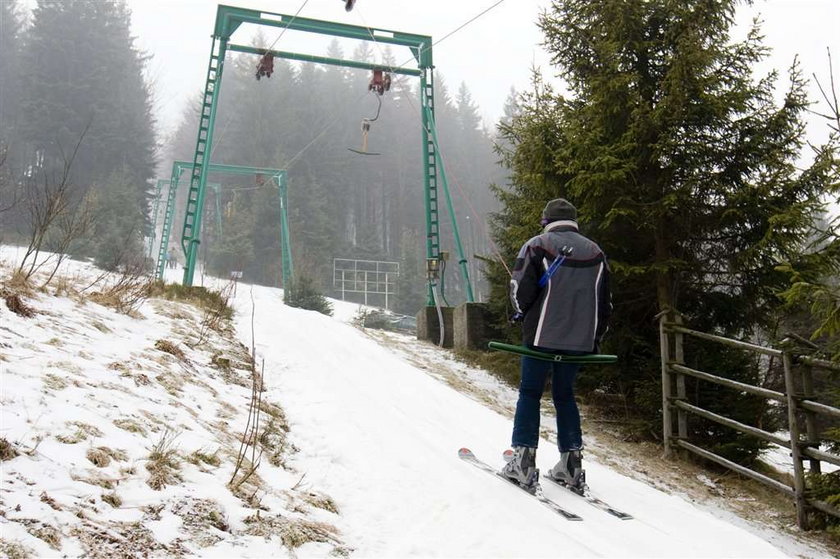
(675, 403)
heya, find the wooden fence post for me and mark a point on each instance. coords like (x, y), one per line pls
(665, 357)
(810, 418)
(793, 427)
(679, 357)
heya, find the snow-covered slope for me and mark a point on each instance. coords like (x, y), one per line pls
(374, 422)
(381, 435)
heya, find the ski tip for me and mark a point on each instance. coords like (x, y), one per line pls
(464, 451)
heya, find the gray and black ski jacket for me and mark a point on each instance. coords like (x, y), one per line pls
(571, 311)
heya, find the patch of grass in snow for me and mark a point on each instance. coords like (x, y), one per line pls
(168, 347)
(164, 463)
(113, 499)
(95, 478)
(320, 501)
(99, 325)
(54, 382)
(81, 433)
(202, 519)
(14, 550)
(65, 366)
(7, 450)
(199, 296)
(130, 425)
(101, 456)
(44, 532)
(15, 304)
(45, 498)
(292, 532)
(122, 539)
(199, 457)
(226, 410)
(273, 441)
(172, 383)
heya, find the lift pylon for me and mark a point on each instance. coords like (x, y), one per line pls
(228, 20)
(190, 244)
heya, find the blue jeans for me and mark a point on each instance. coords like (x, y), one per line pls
(526, 421)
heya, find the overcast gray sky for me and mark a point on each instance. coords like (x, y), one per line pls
(490, 54)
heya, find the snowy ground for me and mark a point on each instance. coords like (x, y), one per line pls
(374, 424)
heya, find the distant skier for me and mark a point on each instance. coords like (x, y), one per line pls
(560, 293)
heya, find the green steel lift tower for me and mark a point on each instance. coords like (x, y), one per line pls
(228, 20)
(277, 176)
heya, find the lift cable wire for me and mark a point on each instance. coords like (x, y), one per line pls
(302, 6)
(486, 235)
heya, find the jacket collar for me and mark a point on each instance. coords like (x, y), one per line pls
(561, 225)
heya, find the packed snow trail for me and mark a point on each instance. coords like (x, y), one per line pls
(381, 437)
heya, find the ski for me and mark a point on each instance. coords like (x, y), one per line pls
(467, 455)
(592, 499)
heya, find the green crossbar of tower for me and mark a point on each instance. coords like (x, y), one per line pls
(228, 20)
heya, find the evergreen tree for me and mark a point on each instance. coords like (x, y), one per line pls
(10, 36)
(117, 241)
(84, 79)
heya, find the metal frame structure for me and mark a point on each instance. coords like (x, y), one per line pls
(368, 277)
(228, 20)
(189, 243)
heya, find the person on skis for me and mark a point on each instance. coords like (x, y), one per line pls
(560, 294)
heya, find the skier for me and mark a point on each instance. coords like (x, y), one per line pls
(560, 294)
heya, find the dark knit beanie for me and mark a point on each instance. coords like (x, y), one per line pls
(559, 209)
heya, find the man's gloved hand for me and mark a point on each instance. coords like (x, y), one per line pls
(516, 318)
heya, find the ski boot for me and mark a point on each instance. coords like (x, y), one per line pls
(569, 471)
(521, 467)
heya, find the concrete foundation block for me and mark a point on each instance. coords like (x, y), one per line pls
(428, 325)
(470, 325)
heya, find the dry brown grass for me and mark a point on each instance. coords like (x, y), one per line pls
(201, 519)
(101, 456)
(14, 550)
(163, 463)
(292, 532)
(130, 425)
(7, 450)
(44, 532)
(17, 306)
(81, 433)
(121, 539)
(112, 499)
(168, 347)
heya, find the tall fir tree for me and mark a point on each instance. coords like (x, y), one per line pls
(84, 82)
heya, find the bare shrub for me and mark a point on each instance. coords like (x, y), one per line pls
(45, 204)
(71, 226)
(126, 290)
(215, 311)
